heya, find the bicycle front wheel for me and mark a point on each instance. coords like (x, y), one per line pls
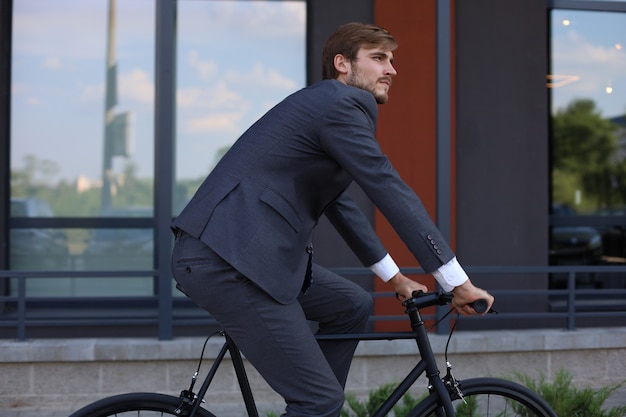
(490, 397)
(140, 404)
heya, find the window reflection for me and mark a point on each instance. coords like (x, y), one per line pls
(119, 287)
(82, 122)
(101, 249)
(119, 249)
(82, 141)
(236, 59)
(82, 104)
(37, 249)
(588, 93)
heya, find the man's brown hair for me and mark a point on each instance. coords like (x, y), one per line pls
(348, 40)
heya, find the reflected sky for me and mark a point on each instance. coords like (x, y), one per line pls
(589, 54)
(236, 59)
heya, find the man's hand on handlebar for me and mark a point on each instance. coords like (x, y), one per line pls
(405, 286)
(466, 294)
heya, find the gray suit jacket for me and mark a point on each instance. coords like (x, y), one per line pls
(257, 209)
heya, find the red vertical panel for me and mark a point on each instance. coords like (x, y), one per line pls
(407, 124)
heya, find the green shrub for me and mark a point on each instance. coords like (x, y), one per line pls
(357, 408)
(568, 400)
(365, 408)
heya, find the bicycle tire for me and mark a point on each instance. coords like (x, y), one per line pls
(138, 404)
(488, 397)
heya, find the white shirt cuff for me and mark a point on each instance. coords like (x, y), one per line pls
(386, 268)
(450, 275)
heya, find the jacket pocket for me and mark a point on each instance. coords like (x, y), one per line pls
(281, 205)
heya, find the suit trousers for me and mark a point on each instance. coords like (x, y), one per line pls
(276, 338)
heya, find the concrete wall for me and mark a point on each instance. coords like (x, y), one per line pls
(51, 378)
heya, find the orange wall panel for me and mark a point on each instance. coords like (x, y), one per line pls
(407, 124)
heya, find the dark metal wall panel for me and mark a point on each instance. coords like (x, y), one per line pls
(323, 17)
(502, 132)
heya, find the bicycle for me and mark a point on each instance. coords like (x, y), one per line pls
(448, 397)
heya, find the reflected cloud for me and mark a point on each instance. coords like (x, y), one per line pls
(92, 92)
(53, 63)
(272, 21)
(575, 48)
(217, 97)
(236, 59)
(261, 76)
(136, 85)
(214, 122)
(285, 18)
(592, 62)
(205, 69)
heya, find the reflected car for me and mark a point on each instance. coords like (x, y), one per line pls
(34, 248)
(121, 249)
(575, 245)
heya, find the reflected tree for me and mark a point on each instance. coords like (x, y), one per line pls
(37, 179)
(588, 171)
(34, 177)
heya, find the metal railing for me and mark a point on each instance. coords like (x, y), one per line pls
(567, 306)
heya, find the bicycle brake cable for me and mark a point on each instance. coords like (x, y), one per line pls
(188, 397)
(449, 380)
(438, 321)
(450, 335)
(451, 330)
(195, 375)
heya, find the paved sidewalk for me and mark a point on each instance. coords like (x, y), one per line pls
(35, 412)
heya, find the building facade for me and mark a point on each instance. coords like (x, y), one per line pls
(506, 117)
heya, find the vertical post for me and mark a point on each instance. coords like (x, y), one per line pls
(443, 178)
(443, 118)
(571, 301)
(109, 110)
(6, 28)
(164, 150)
(21, 308)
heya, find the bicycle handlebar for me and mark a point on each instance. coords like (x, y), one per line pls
(479, 306)
(427, 299)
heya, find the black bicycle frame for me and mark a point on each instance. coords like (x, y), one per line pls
(427, 363)
(240, 371)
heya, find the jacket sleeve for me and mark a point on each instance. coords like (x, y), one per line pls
(348, 136)
(356, 230)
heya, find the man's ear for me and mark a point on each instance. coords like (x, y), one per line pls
(342, 64)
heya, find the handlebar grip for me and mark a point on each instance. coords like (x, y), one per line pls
(442, 298)
(480, 306)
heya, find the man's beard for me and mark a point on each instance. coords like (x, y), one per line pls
(355, 81)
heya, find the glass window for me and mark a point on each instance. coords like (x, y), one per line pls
(236, 59)
(588, 94)
(82, 136)
(82, 104)
(82, 141)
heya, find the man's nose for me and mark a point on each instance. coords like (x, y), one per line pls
(391, 70)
